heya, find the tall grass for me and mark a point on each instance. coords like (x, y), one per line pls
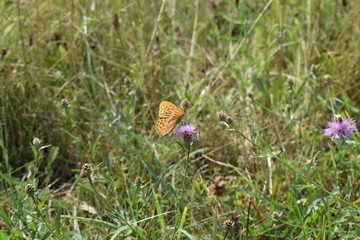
(280, 69)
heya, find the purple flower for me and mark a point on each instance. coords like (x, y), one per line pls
(187, 131)
(340, 128)
(212, 2)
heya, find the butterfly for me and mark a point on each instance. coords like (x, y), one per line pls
(169, 116)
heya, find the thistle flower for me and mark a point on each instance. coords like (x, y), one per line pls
(188, 132)
(340, 128)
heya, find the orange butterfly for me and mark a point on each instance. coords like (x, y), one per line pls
(169, 116)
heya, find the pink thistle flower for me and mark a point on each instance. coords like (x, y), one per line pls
(188, 132)
(340, 128)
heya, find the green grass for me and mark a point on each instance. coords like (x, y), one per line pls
(115, 61)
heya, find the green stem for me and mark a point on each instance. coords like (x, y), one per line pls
(68, 114)
(37, 164)
(182, 187)
(184, 177)
(42, 217)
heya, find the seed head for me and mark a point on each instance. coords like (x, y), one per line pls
(64, 102)
(229, 120)
(250, 94)
(313, 68)
(222, 116)
(313, 71)
(290, 81)
(327, 78)
(138, 180)
(30, 189)
(128, 82)
(287, 107)
(219, 186)
(36, 141)
(57, 36)
(185, 104)
(86, 169)
(228, 225)
(275, 215)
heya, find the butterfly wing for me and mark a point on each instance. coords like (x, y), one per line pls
(166, 109)
(169, 116)
(160, 126)
(165, 126)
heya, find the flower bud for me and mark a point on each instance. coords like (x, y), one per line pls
(36, 141)
(30, 189)
(64, 102)
(86, 169)
(222, 116)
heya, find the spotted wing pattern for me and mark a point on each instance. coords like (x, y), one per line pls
(166, 109)
(169, 116)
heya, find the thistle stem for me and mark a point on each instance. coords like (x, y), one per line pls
(44, 220)
(182, 186)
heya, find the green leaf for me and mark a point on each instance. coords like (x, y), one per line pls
(110, 215)
(311, 164)
(258, 81)
(46, 235)
(54, 151)
(3, 235)
(151, 170)
(182, 221)
(57, 222)
(186, 233)
(172, 190)
(159, 210)
(5, 217)
(117, 232)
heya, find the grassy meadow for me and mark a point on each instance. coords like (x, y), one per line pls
(81, 84)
